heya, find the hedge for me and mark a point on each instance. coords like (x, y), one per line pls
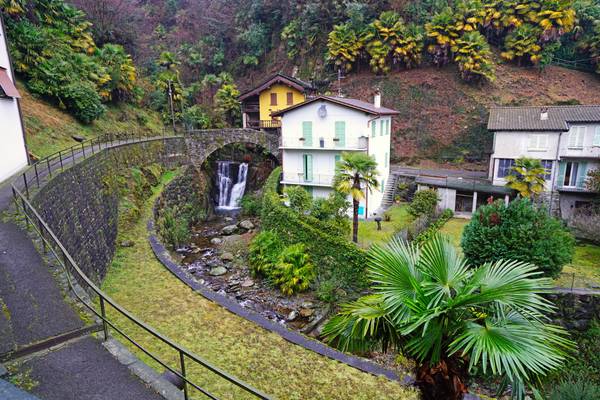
(335, 257)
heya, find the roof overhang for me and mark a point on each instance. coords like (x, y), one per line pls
(278, 78)
(383, 112)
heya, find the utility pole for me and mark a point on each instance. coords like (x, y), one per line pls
(171, 106)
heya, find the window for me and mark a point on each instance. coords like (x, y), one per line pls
(381, 125)
(307, 167)
(387, 126)
(273, 99)
(307, 133)
(340, 133)
(576, 135)
(547, 164)
(382, 185)
(373, 128)
(336, 159)
(504, 166)
(596, 141)
(385, 160)
(290, 98)
(538, 142)
(571, 169)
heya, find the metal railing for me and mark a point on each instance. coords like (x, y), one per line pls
(328, 143)
(34, 177)
(314, 179)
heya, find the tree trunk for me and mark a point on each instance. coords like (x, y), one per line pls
(443, 381)
(355, 221)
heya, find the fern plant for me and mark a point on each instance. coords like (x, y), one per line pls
(293, 271)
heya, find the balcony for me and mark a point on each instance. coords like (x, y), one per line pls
(297, 178)
(264, 124)
(250, 108)
(357, 144)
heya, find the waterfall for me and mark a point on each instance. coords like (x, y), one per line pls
(230, 195)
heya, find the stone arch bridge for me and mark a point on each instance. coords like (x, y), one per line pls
(202, 143)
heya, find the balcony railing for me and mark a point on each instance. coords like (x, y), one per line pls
(324, 143)
(250, 108)
(298, 178)
(265, 124)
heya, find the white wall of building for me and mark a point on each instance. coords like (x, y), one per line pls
(13, 155)
(359, 136)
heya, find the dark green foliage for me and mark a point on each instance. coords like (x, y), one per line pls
(265, 249)
(299, 199)
(174, 227)
(519, 231)
(81, 98)
(251, 205)
(336, 259)
(575, 390)
(195, 117)
(434, 227)
(424, 203)
(333, 208)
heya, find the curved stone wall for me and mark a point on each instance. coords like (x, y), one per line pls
(81, 207)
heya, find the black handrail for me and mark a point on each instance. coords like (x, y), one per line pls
(51, 241)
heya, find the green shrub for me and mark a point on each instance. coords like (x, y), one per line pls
(251, 205)
(334, 208)
(293, 271)
(423, 203)
(83, 101)
(575, 390)
(519, 231)
(174, 227)
(299, 199)
(433, 228)
(265, 249)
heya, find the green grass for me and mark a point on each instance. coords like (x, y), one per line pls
(368, 233)
(585, 265)
(137, 281)
(49, 129)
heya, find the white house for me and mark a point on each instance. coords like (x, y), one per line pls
(13, 154)
(315, 132)
(566, 139)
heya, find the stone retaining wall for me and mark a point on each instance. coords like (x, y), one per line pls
(577, 309)
(81, 207)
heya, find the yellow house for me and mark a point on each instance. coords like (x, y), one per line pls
(277, 93)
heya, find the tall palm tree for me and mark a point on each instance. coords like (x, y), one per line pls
(355, 174)
(451, 317)
(527, 177)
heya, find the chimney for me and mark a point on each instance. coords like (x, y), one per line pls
(544, 114)
(377, 99)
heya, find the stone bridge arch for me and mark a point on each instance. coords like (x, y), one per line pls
(202, 143)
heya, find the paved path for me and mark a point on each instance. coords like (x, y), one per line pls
(32, 308)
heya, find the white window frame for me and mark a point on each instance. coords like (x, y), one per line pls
(576, 137)
(596, 140)
(538, 142)
(572, 179)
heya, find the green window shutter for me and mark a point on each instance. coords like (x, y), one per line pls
(581, 175)
(381, 125)
(382, 189)
(307, 133)
(340, 133)
(337, 159)
(373, 128)
(385, 160)
(561, 174)
(596, 137)
(387, 126)
(308, 167)
(309, 189)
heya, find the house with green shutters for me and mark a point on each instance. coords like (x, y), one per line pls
(314, 134)
(565, 138)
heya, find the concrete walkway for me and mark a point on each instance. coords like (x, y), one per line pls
(32, 309)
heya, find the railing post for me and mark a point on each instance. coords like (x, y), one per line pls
(62, 168)
(83, 150)
(25, 212)
(26, 185)
(103, 313)
(37, 176)
(182, 362)
(41, 228)
(73, 154)
(48, 165)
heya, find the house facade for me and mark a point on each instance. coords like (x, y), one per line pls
(276, 93)
(13, 153)
(316, 132)
(566, 139)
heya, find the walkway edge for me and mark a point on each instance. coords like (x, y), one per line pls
(294, 337)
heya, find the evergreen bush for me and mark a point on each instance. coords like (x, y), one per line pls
(424, 203)
(518, 231)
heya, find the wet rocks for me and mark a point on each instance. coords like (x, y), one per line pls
(217, 271)
(246, 224)
(292, 315)
(127, 243)
(229, 230)
(247, 283)
(227, 256)
(306, 312)
(216, 241)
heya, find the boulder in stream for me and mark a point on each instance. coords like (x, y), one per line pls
(229, 230)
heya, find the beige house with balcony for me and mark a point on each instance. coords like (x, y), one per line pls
(316, 132)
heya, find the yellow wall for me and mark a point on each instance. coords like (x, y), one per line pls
(264, 100)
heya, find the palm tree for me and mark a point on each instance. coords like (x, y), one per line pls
(527, 177)
(355, 174)
(451, 317)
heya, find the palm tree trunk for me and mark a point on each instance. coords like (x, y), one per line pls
(355, 221)
(443, 381)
